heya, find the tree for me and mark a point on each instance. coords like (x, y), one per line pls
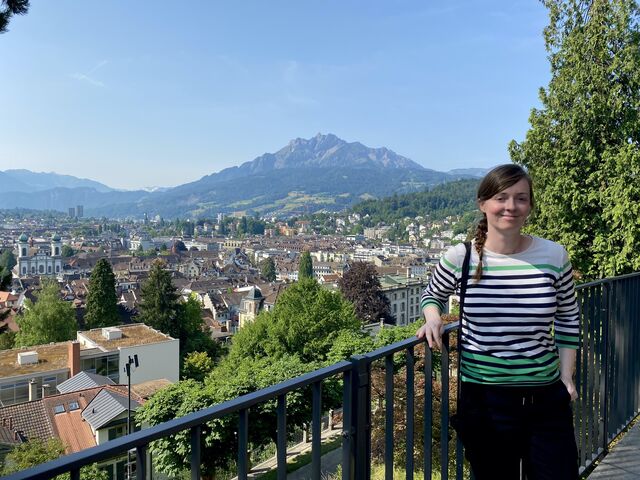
(8, 8)
(49, 319)
(197, 365)
(361, 286)
(583, 148)
(159, 307)
(36, 451)
(268, 269)
(8, 259)
(102, 303)
(305, 269)
(304, 322)
(67, 251)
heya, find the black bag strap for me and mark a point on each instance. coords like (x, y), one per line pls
(464, 280)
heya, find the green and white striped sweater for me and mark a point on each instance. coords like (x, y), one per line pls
(516, 317)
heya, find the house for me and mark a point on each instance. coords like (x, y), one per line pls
(28, 374)
(8, 300)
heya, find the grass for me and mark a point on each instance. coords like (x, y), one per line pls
(304, 459)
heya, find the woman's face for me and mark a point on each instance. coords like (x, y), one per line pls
(508, 210)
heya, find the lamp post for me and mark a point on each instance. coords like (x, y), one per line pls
(127, 369)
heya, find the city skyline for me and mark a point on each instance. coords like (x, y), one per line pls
(135, 96)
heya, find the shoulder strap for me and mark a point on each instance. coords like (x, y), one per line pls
(464, 279)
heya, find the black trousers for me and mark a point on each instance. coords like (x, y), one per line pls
(501, 425)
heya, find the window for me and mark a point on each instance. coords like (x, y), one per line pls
(116, 432)
(41, 269)
(395, 307)
(24, 270)
(49, 269)
(24, 252)
(402, 294)
(73, 406)
(57, 268)
(58, 409)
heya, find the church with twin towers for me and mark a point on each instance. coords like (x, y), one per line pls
(39, 260)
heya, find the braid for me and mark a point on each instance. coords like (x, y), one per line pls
(480, 238)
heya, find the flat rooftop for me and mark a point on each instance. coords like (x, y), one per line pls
(50, 357)
(132, 335)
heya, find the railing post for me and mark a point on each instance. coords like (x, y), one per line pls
(361, 417)
(606, 331)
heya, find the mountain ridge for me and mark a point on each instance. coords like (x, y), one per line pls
(322, 172)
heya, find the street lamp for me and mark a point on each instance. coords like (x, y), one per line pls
(127, 369)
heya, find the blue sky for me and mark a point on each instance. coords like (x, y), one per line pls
(138, 94)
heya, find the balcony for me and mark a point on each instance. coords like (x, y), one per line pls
(608, 382)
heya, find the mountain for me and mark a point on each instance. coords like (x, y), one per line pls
(320, 173)
(28, 181)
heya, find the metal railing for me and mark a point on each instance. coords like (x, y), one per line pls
(608, 364)
(608, 382)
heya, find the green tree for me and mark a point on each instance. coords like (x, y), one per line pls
(159, 306)
(268, 269)
(8, 259)
(102, 303)
(583, 147)
(197, 365)
(36, 451)
(7, 339)
(67, 251)
(305, 269)
(361, 286)
(304, 322)
(49, 319)
(8, 8)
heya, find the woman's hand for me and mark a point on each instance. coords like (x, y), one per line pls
(571, 388)
(433, 328)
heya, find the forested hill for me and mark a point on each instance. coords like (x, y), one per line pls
(453, 198)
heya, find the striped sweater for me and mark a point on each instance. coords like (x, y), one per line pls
(515, 318)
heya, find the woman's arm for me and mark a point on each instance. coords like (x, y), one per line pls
(567, 369)
(433, 328)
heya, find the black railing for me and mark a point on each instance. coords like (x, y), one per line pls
(608, 364)
(608, 382)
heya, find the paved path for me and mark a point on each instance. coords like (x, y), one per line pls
(623, 461)
(299, 449)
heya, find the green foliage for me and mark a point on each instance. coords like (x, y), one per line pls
(32, 453)
(197, 365)
(67, 251)
(361, 286)
(159, 307)
(229, 380)
(454, 198)
(305, 268)
(348, 343)
(304, 322)
(5, 278)
(7, 340)
(583, 147)
(8, 259)
(49, 319)
(268, 269)
(36, 451)
(102, 303)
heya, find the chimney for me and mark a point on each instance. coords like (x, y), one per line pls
(33, 390)
(73, 358)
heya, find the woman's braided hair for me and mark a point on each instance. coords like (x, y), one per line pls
(494, 182)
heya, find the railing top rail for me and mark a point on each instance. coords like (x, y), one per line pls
(403, 344)
(603, 281)
(143, 437)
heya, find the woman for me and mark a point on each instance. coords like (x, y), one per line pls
(519, 338)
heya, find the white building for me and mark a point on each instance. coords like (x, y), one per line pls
(40, 262)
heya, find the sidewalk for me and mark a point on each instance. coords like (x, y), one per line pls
(623, 461)
(293, 452)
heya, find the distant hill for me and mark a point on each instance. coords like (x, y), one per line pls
(307, 175)
(28, 181)
(471, 172)
(453, 198)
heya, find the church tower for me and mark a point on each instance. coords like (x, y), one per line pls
(23, 246)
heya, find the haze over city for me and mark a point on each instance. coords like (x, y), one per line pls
(143, 94)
